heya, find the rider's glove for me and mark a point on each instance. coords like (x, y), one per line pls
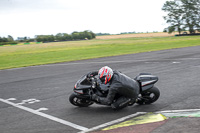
(92, 74)
(89, 75)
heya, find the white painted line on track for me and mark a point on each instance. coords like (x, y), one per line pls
(113, 122)
(84, 129)
(178, 111)
(45, 115)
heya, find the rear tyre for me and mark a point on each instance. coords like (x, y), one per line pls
(79, 101)
(149, 96)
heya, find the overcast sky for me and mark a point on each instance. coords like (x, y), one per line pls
(20, 18)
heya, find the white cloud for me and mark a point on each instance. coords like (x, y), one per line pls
(33, 17)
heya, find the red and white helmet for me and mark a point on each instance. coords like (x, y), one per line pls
(105, 74)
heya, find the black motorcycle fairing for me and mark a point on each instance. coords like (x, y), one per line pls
(83, 87)
(83, 81)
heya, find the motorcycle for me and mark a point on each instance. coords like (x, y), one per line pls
(85, 87)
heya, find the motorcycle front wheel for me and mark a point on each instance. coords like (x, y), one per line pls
(79, 101)
(149, 96)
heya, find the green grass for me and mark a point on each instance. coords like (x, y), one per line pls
(45, 53)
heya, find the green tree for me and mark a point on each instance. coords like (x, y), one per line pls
(182, 14)
(50, 38)
(67, 37)
(4, 39)
(38, 38)
(75, 35)
(10, 38)
(88, 34)
(59, 37)
(174, 16)
(93, 34)
(191, 14)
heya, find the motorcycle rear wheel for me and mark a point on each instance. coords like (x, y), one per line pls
(79, 101)
(149, 96)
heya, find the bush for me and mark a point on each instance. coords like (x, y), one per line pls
(6, 43)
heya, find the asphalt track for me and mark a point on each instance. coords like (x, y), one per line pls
(35, 99)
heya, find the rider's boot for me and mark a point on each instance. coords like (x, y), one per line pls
(132, 101)
(120, 103)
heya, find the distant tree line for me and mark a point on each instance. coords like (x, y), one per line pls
(7, 40)
(25, 39)
(128, 32)
(183, 15)
(102, 34)
(85, 35)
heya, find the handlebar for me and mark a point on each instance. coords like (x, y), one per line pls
(93, 82)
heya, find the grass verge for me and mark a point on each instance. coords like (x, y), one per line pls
(37, 54)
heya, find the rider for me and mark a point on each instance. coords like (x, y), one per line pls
(118, 84)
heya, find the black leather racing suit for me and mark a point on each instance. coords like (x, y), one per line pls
(123, 85)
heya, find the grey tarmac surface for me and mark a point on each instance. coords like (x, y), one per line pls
(49, 86)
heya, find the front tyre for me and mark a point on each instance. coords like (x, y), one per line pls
(149, 96)
(79, 101)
